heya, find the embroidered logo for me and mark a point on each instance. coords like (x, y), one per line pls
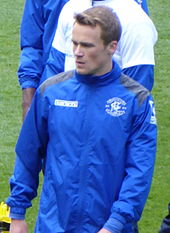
(66, 103)
(116, 107)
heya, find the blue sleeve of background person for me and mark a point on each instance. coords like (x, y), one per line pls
(144, 74)
(31, 34)
(141, 149)
(30, 150)
(144, 5)
(55, 64)
(38, 27)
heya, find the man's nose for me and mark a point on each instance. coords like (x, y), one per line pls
(78, 51)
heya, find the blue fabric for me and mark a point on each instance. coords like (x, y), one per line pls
(144, 5)
(114, 226)
(55, 64)
(17, 216)
(38, 26)
(90, 131)
(144, 74)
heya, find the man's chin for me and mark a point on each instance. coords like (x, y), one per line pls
(81, 71)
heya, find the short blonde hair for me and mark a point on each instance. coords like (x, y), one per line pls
(104, 17)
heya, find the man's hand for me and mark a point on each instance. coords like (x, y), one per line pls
(104, 231)
(27, 95)
(18, 226)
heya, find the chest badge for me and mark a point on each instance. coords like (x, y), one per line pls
(115, 107)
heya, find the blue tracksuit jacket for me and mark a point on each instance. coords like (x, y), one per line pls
(98, 138)
(38, 26)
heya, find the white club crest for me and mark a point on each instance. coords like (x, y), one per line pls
(116, 107)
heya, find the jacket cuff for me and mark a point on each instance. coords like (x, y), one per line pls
(29, 84)
(17, 213)
(114, 226)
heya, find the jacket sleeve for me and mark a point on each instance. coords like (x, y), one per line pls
(39, 22)
(55, 64)
(137, 44)
(31, 34)
(56, 61)
(141, 149)
(137, 53)
(144, 5)
(144, 74)
(30, 150)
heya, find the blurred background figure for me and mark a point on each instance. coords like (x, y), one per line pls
(39, 22)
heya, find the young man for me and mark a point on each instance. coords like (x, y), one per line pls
(96, 129)
(135, 51)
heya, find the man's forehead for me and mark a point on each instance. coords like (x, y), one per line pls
(85, 32)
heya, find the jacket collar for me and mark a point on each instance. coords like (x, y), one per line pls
(104, 79)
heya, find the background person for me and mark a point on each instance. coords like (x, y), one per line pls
(135, 51)
(97, 129)
(38, 26)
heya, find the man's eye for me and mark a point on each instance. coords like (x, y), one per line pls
(86, 45)
(75, 43)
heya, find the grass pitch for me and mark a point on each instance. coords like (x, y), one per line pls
(11, 120)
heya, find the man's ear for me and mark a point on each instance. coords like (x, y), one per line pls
(112, 46)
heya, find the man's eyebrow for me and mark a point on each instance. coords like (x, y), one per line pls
(85, 44)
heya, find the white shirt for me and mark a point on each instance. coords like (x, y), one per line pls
(139, 35)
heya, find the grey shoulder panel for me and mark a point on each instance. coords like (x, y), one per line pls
(140, 91)
(56, 79)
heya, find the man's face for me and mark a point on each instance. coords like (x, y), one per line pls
(91, 55)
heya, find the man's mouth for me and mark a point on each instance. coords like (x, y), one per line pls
(80, 62)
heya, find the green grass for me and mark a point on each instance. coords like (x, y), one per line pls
(10, 109)
(156, 207)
